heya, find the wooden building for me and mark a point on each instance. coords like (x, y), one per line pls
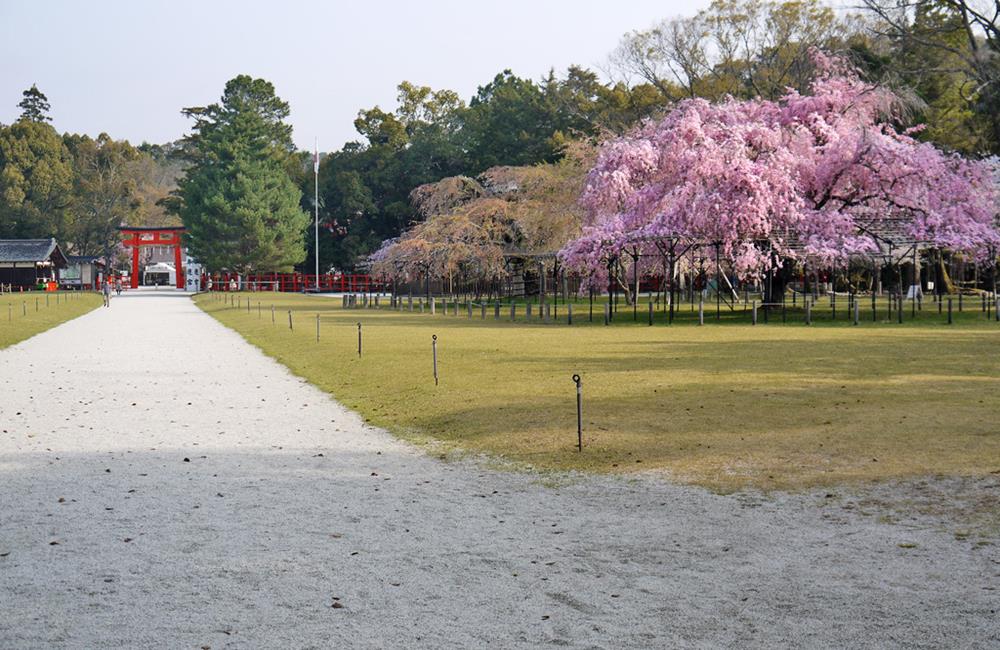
(30, 263)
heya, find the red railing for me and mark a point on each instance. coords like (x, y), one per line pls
(292, 282)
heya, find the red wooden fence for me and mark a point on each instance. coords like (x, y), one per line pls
(293, 282)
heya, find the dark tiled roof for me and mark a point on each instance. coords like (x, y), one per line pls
(27, 250)
(84, 259)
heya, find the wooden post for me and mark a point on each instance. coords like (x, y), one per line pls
(808, 311)
(290, 319)
(856, 314)
(949, 310)
(317, 328)
(569, 313)
(272, 314)
(754, 318)
(513, 311)
(701, 310)
(607, 313)
(650, 314)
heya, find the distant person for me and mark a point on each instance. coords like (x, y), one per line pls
(118, 286)
(107, 293)
(232, 285)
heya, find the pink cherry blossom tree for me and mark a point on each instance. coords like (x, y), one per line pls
(819, 178)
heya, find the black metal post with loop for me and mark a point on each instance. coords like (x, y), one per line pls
(434, 352)
(579, 412)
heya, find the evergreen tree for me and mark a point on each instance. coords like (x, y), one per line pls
(239, 204)
(35, 105)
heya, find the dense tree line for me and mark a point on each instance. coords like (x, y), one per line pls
(76, 188)
(245, 193)
(939, 56)
(433, 134)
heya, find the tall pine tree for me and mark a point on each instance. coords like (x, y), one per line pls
(239, 204)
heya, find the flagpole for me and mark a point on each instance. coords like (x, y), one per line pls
(316, 204)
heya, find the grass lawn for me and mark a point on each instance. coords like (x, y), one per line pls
(21, 319)
(727, 405)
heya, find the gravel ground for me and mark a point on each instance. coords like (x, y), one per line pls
(164, 484)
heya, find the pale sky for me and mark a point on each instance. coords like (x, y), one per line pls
(127, 67)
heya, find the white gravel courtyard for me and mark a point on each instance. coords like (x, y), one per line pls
(163, 484)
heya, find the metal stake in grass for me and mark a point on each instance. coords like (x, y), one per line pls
(949, 310)
(290, 319)
(856, 314)
(434, 352)
(317, 328)
(359, 340)
(579, 412)
(650, 314)
(272, 314)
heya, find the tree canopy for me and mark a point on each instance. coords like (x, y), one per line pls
(819, 176)
(238, 202)
(35, 105)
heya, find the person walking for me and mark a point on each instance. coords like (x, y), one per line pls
(118, 286)
(107, 293)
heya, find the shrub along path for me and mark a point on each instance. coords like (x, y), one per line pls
(166, 484)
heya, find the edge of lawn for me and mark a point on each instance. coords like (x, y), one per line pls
(31, 333)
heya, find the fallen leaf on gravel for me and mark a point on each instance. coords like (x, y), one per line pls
(906, 545)
(187, 460)
(62, 500)
(218, 494)
(53, 543)
(545, 618)
(127, 539)
(108, 471)
(337, 605)
(5, 554)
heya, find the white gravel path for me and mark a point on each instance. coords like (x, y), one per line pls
(164, 484)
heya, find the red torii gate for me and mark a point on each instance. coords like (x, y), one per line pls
(136, 238)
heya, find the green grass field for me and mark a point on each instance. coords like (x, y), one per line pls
(726, 405)
(20, 318)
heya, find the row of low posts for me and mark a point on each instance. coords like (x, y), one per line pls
(49, 299)
(547, 312)
(397, 303)
(237, 302)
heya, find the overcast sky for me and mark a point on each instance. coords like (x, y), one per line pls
(127, 67)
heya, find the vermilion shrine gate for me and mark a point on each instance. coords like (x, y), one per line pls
(136, 238)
